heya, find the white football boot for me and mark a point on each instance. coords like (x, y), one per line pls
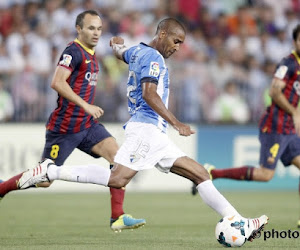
(35, 175)
(253, 227)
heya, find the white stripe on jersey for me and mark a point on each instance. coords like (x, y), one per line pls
(160, 91)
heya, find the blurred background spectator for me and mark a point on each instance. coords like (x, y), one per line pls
(227, 61)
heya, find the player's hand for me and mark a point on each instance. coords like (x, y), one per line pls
(296, 120)
(94, 111)
(184, 129)
(116, 40)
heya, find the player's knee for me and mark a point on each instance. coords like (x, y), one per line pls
(117, 182)
(263, 174)
(201, 177)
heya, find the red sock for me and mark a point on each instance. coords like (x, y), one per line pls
(9, 185)
(241, 173)
(116, 201)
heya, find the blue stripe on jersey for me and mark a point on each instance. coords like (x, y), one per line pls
(83, 87)
(275, 115)
(91, 95)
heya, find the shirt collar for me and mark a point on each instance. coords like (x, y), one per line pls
(90, 51)
(296, 56)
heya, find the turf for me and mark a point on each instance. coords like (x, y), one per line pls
(37, 220)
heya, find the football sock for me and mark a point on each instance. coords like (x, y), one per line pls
(241, 173)
(213, 198)
(83, 173)
(116, 201)
(9, 185)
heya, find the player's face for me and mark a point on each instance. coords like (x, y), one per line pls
(297, 44)
(91, 31)
(171, 42)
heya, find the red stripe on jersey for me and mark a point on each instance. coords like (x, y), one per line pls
(268, 123)
(287, 93)
(81, 111)
(280, 119)
(55, 113)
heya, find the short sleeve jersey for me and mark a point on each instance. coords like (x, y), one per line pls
(146, 65)
(82, 62)
(275, 119)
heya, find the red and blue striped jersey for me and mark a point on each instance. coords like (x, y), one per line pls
(69, 117)
(275, 119)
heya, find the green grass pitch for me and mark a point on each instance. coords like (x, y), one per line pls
(37, 220)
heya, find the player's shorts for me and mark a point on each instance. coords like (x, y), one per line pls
(278, 146)
(59, 146)
(146, 146)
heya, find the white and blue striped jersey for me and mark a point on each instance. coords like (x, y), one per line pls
(146, 65)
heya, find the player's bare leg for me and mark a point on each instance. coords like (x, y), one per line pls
(118, 220)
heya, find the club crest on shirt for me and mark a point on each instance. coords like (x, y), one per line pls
(134, 158)
(66, 61)
(154, 69)
(281, 71)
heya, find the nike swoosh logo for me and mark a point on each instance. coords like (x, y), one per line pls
(87, 61)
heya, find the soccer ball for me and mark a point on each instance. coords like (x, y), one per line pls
(230, 231)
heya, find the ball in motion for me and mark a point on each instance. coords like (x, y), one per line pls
(230, 231)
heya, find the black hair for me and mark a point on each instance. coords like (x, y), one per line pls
(167, 24)
(296, 32)
(80, 17)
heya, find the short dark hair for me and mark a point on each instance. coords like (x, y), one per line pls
(79, 18)
(167, 24)
(296, 32)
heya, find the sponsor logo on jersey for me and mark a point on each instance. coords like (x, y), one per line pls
(87, 61)
(281, 71)
(92, 78)
(66, 61)
(154, 69)
(296, 86)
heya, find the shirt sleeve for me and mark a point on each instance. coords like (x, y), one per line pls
(69, 59)
(285, 69)
(127, 54)
(152, 64)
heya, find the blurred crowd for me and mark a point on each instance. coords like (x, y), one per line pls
(220, 75)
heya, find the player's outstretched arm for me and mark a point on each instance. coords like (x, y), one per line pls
(59, 83)
(154, 101)
(118, 47)
(278, 97)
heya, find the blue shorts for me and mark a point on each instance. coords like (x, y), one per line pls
(58, 146)
(278, 146)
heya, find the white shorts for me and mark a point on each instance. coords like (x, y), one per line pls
(146, 146)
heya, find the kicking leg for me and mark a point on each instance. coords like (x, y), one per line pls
(192, 170)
